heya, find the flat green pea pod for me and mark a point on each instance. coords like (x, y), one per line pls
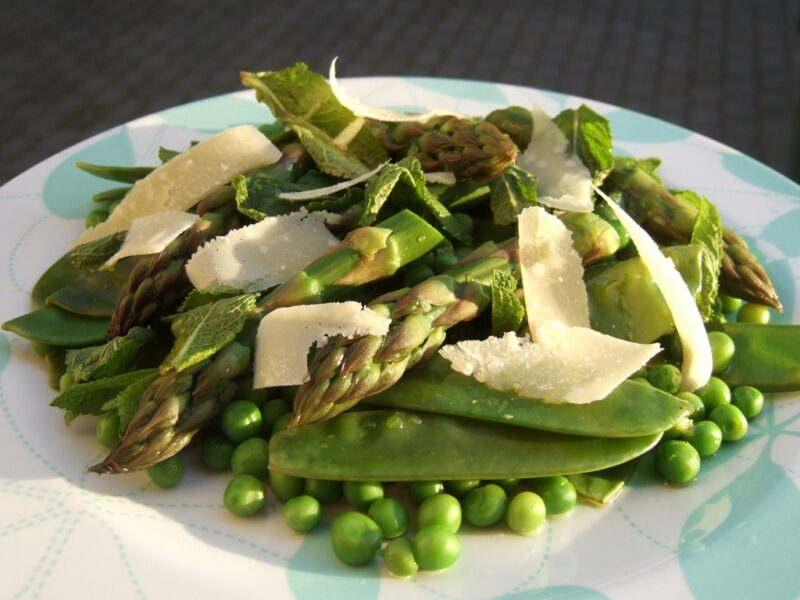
(57, 327)
(632, 409)
(387, 445)
(767, 356)
(93, 293)
(625, 302)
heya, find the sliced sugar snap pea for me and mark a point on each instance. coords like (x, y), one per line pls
(388, 445)
(632, 409)
(57, 327)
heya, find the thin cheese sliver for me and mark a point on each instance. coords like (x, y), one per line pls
(153, 233)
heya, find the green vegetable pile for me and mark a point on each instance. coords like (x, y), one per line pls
(384, 420)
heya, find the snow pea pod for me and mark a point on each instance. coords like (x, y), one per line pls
(601, 487)
(389, 445)
(57, 327)
(766, 356)
(632, 409)
(93, 293)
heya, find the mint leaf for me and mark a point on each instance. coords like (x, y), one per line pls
(126, 402)
(305, 102)
(648, 165)
(202, 331)
(165, 154)
(404, 183)
(93, 254)
(90, 397)
(512, 191)
(507, 310)
(197, 298)
(707, 233)
(107, 360)
(589, 136)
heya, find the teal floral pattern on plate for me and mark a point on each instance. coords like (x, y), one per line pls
(73, 535)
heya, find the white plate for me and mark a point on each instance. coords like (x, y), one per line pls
(66, 534)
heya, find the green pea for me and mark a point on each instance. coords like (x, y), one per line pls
(272, 410)
(356, 538)
(417, 274)
(485, 505)
(466, 220)
(749, 400)
(675, 349)
(281, 423)
(251, 457)
(399, 557)
(302, 513)
(679, 430)
(677, 461)
(96, 217)
(107, 430)
(558, 493)
(509, 485)
(390, 515)
(285, 487)
(706, 437)
(444, 260)
(526, 513)
(753, 313)
(693, 399)
(422, 489)
(714, 393)
(722, 350)
(436, 548)
(665, 377)
(244, 495)
(361, 494)
(241, 420)
(461, 487)
(324, 490)
(168, 473)
(217, 452)
(729, 304)
(440, 509)
(731, 421)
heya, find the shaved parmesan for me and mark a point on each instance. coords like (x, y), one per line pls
(697, 360)
(330, 189)
(193, 174)
(261, 255)
(443, 177)
(565, 364)
(563, 182)
(372, 112)
(286, 334)
(346, 135)
(153, 233)
(552, 273)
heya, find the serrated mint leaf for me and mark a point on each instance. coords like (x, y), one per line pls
(90, 397)
(126, 402)
(404, 184)
(197, 298)
(589, 136)
(707, 233)
(305, 102)
(507, 310)
(648, 165)
(107, 360)
(202, 331)
(93, 254)
(512, 191)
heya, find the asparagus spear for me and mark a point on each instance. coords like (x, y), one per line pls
(670, 220)
(470, 149)
(178, 404)
(345, 371)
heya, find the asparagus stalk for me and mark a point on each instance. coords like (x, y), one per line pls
(670, 220)
(177, 405)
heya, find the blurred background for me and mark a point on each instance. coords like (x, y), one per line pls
(726, 68)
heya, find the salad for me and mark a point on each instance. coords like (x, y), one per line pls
(184, 314)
